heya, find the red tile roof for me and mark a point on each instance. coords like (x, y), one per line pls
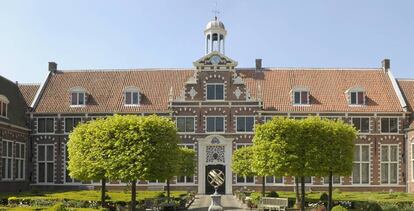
(407, 88)
(28, 91)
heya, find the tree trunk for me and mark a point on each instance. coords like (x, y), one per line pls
(263, 186)
(330, 192)
(297, 191)
(168, 190)
(103, 190)
(302, 181)
(133, 195)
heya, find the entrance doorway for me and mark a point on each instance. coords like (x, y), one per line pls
(210, 188)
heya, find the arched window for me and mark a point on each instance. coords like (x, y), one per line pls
(77, 96)
(131, 96)
(4, 104)
(356, 96)
(300, 95)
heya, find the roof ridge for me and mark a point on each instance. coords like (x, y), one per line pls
(126, 69)
(312, 68)
(29, 84)
(405, 79)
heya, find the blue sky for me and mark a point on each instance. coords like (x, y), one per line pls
(94, 34)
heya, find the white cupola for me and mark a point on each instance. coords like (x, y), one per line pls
(215, 34)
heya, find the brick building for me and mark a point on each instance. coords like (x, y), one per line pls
(215, 105)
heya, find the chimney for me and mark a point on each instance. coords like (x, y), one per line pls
(258, 64)
(386, 65)
(52, 67)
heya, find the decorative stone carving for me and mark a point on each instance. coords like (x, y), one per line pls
(238, 92)
(192, 93)
(215, 154)
(191, 80)
(238, 80)
(215, 141)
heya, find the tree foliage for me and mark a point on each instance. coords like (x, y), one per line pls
(186, 162)
(242, 160)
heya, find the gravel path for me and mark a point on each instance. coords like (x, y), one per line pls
(202, 202)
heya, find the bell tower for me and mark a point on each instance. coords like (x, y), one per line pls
(215, 35)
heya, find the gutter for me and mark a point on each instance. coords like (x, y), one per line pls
(397, 91)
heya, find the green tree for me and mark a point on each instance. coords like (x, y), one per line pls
(85, 159)
(139, 148)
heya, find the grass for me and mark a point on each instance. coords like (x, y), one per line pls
(42, 208)
(88, 195)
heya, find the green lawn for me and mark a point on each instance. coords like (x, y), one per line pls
(88, 195)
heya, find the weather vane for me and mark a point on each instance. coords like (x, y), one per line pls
(215, 11)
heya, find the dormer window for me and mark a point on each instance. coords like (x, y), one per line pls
(356, 96)
(78, 96)
(131, 96)
(215, 91)
(4, 104)
(300, 96)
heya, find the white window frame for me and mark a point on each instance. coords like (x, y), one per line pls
(388, 117)
(224, 92)
(4, 101)
(300, 89)
(46, 117)
(274, 179)
(74, 117)
(356, 90)
(360, 166)
(20, 160)
(326, 182)
(45, 162)
(244, 116)
(194, 125)
(215, 132)
(77, 91)
(361, 117)
(8, 158)
(389, 162)
(131, 91)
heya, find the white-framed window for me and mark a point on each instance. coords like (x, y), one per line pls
(186, 179)
(361, 169)
(4, 103)
(389, 163)
(45, 163)
(215, 124)
(68, 179)
(45, 125)
(244, 179)
(244, 123)
(356, 96)
(77, 96)
(71, 122)
(155, 181)
(215, 91)
(389, 125)
(362, 124)
(20, 160)
(7, 160)
(274, 180)
(185, 124)
(301, 97)
(308, 180)
(335, 180)
(131, 96)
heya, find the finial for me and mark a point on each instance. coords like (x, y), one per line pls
(215, 11)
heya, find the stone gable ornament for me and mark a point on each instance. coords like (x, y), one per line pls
(237, 92)
(216, 179)
(192, 93)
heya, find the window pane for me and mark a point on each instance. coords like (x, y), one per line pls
(181, 179)
(297, 97)
(41, 125)
(189, 124)
(3, 169)
(357, 153)
(384, 173)
(41, 172)
(304, 97)
(219, 124)
(81, 98)
(384, 153)
(210, 124)
(385, 127)
(128, 98)
(365, 173)
(365, 153)
(21, 175)
(50, 125)
(10, 149)
(353, 98)
(269, 179)
(249, 179)
(356, 173)
(49, 153)
(181, 124)
(41, 153)
(50, 172)
(364, 125)
(393, 173)
(23, 151)
(17, 150)
(4, 150)
(74, 98)
(278, 179)
(68, 124)
(210, 92)
(135, 98)
(4, 109)
(360, 98)
(249, 123)
(394, 153)
(393, 125)
(190, 179)
(357, 123)
(240, 179)
(241, 122)
(219, 92)
(9, 168)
